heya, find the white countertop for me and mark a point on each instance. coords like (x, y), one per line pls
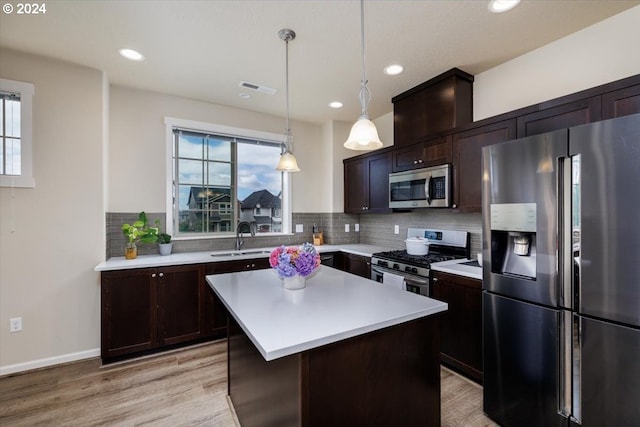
(144, 261)
(334, 306)
(455, 267)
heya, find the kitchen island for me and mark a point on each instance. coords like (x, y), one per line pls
(343, 351)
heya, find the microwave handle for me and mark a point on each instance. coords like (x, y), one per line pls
(427, 185)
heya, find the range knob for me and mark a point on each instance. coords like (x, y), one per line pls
(396, 267)
(414, 270)
(407, 269)
(383, 263)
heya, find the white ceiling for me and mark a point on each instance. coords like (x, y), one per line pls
(203, 49)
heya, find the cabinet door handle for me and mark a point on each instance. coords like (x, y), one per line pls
(161, 275)
(415, 162)
(435, 279)
(153, 275)
(420, 161)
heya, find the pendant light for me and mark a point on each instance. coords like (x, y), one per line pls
(363, 135)
(287, 161)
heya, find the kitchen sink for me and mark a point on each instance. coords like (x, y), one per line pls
(239, 253)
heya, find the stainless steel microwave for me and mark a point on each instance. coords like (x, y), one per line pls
(421, 188)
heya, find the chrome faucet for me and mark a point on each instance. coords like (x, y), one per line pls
(239, 227)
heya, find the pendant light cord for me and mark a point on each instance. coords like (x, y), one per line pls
(365, 94)
(287, 131)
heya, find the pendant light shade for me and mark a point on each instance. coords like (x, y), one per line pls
(363, 135)
(288, 162)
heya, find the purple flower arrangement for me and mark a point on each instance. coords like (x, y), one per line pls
(292, 260)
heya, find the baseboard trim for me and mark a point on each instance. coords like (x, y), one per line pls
(49, 361)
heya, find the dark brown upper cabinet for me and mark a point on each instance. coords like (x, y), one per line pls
(467, 161)
(437, 105)
(622, 102)
(559, 117)
(366, 183)
(431, 153)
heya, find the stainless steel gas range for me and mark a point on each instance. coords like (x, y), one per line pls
(444, 245)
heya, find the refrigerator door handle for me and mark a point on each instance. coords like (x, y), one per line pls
(570, 398)
(576, 385)
(565, 259)
(566, 344)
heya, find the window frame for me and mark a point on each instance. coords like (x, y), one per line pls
(26, 91)
(196, 126)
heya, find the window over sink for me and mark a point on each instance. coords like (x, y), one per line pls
(218, 176)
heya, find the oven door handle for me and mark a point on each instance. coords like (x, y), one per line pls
(409, 279)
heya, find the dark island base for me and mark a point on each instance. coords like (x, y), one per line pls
(389, 377)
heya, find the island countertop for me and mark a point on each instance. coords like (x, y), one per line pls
(334, 306)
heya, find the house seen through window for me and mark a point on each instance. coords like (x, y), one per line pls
(220, 180)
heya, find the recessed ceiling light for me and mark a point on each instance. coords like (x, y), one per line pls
(335, 104)
(499, 6)
(393, 69)
(244, 95)
(131, 54)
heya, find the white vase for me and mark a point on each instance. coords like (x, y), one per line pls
(294, 282)
(165, 248)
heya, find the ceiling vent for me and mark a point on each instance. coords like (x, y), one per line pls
(257, 88)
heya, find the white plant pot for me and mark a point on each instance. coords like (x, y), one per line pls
(165, 248)
(294, 282)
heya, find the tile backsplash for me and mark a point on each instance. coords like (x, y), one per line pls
(379, 229)
(331, 224)
(374, 229)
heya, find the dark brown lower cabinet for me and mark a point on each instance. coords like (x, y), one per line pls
(149, 308)
(389, 377)
(354, 264)
(215, 311)
(180, 304)
(461, 325)
(129, 312)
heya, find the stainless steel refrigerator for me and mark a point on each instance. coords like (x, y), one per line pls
(561, 278)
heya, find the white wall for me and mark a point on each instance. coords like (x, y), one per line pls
(52, 236)
(137, 148)
(602, 53)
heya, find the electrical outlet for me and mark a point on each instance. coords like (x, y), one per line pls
(15, 324)
(346, 228)
(356, 228)
(299, 228)
(396, 229)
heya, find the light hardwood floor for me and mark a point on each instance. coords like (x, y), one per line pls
(181, 388)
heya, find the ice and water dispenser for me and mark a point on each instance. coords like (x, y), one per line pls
(513, 240)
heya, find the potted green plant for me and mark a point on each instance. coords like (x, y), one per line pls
(139, 231)
(164, 243)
